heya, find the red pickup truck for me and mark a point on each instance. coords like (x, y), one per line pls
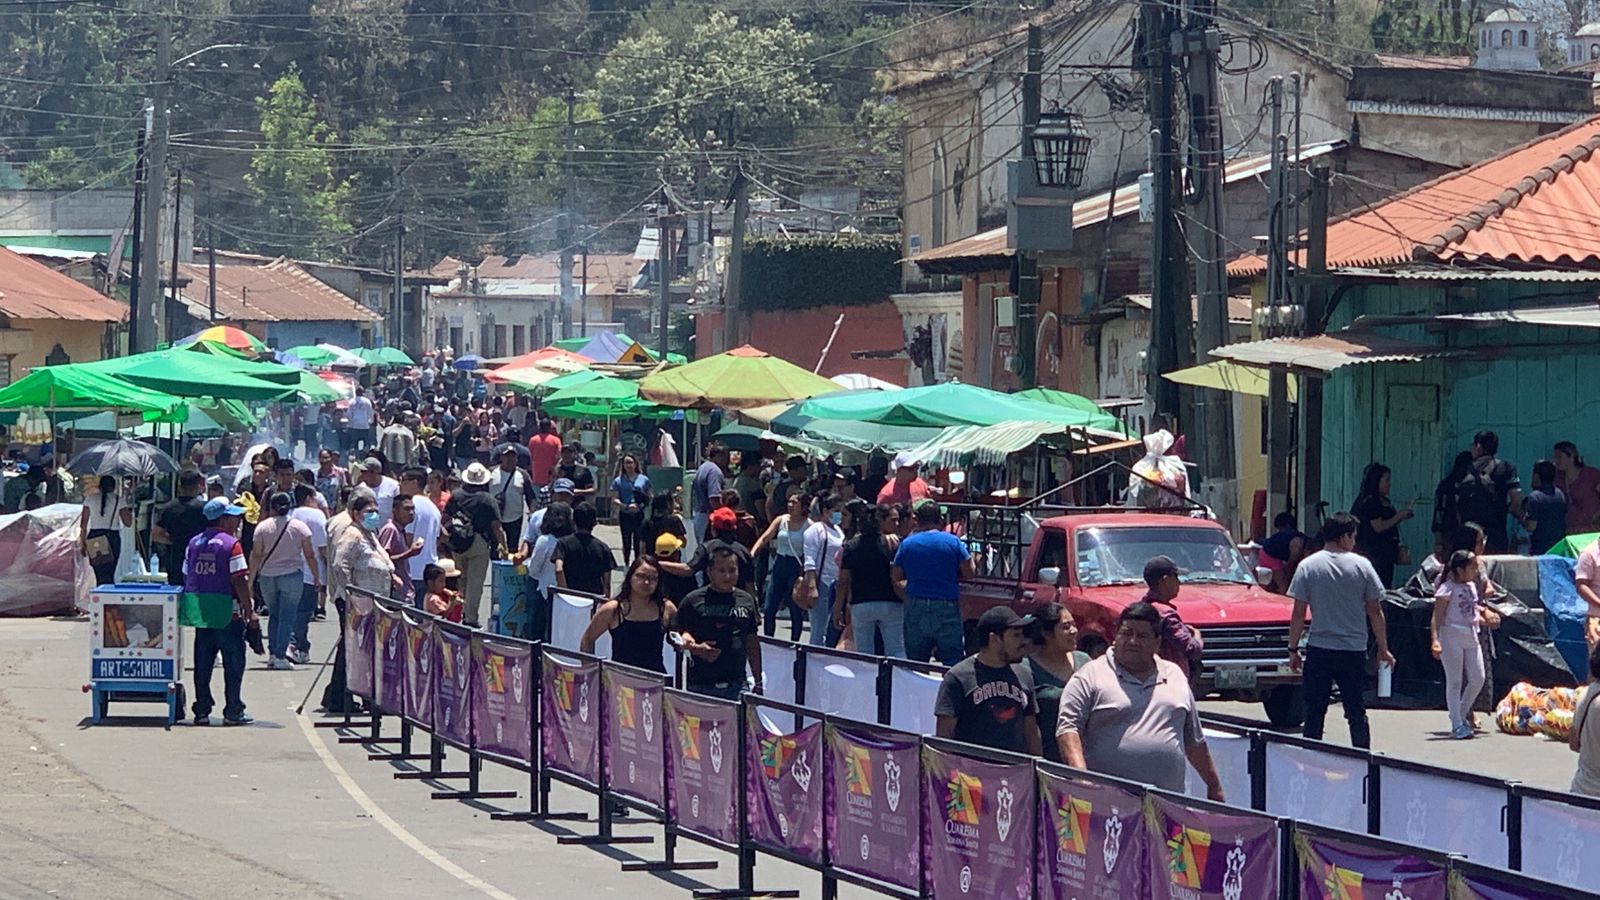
(1093, 564)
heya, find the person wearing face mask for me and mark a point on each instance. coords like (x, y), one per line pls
(359, 561)
(824, 539)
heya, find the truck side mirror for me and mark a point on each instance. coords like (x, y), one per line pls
(1263, 576)
(1050, 575)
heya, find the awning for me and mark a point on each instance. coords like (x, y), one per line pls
(1582, 315)
(989, 445)
(1229, 376)
(1321, 354)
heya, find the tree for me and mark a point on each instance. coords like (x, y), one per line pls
(686, 94)
(301, 203)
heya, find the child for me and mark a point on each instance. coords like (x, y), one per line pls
(1455, 639)
(1281, 552)
(440, 600)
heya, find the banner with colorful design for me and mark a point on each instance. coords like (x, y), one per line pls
(390, 644)
(360, 635)
(502, 699)
(1490, 884)
(783, 787)
(872, 821)
(1092, 840)
(977, 826)
(419, 669)
(631, 731)
(1196, 854)
(1333, 869)
(452, 686)
(703, 765)
(569, 722)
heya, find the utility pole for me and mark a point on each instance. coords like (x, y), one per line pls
(399, 340)
(152, 311)
(564, 228)
(1315, 302)
(134, 274)
(733, 289)
(1213, 414)
(1028, 263)
(211, 269)
(177, 216)
(583, 291)
(1278, 425)
(1170, 319)
(663, 264)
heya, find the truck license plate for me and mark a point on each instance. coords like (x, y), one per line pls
(1236, 677)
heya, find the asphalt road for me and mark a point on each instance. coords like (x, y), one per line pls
(282, 810)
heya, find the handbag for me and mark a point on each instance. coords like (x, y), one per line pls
(255, 585)
(807, 599)
(98, 549)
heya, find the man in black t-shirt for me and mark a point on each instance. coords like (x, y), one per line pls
(1489, 492)
(177, 521)
(987, 698)
(718, 625)
(571, 467)
(724, 527)
(584, 562)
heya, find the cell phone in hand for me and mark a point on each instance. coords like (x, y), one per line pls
(675, 639)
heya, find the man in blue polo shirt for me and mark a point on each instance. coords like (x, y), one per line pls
(928, 568)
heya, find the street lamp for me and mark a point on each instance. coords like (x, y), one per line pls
(1060, 148)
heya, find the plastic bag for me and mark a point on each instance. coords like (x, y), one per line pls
(1159, 480)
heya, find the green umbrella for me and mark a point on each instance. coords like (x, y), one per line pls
(76, 386)
(941, 405)
(863, 437)
(571, 379)
(382, 356)
(603, 398)
(1096, 415)
(186, 374)
(319, 355)
(738, 379)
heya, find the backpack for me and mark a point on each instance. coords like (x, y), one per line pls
(1476, 498)
(459, 533)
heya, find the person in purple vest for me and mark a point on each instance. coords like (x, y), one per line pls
(217, 603)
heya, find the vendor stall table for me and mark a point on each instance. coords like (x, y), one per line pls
(135, 648)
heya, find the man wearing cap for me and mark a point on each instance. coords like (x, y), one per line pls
(560, 492)
(906, 486)
(928, 567)
(724, 535)
(474, 504)
(572, 468)
(987, 698)
(216, 602)
(1131, 714)
(512, 490)
(1180, 644)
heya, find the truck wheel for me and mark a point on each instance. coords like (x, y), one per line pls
(1285, 705)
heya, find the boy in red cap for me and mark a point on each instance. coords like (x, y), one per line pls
(724, 533)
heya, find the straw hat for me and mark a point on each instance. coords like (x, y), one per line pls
(476, 475)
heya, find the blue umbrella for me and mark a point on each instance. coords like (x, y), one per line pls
(469, 362)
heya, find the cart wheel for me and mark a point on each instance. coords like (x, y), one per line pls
(102, 701)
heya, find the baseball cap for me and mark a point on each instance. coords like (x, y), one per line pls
(1158, 568)
(999, 618)
(561, 486)
(668, 543)
(217, 508)
(724, 519)
(905, 459)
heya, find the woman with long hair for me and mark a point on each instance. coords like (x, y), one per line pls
(100, 529)
(786, 534)
(823, 542)
(637, 619)
(1053, 658)
(632, 489)
(865, 595)
(1581, 484)
(1377, 522)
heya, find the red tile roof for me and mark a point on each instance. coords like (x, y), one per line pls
(33, 290)
(1538, 203)
(279, 291)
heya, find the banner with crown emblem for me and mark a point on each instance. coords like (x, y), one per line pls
(703, 765)
(1197, 854)
(631, 732)
(1333, 869)
(570, 717)
(1561, 842)
(452, 686)
(419, 669)
(783, 784)
(872, 823)
(977, 826)
(1092, 840)
(359, 637)
(502, 700)
(390, 644)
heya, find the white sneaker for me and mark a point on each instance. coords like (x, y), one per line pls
(298, 656)
(278, 662)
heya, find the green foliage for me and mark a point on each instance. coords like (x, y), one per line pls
(299, 200)
(807, 271)
(1426, 27)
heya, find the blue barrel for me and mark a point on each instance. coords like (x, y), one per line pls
(509, 587)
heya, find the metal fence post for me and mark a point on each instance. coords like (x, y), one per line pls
(1513, 826)
(1258, 771)
(1374, 789)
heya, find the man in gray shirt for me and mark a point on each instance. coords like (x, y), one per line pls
(1342, 589)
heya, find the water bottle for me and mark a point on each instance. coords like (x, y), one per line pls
(1385, 681)
(155, 565)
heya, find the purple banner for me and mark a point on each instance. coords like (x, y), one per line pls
(1348, 870)
(873, 822)
(977, 826)
(502, 700)
(570, 720)
(359, 637)
(632, 733)
(1092, 841)
(390, 642)
(1496, 886)
(783, 787)
(419, 670)
(1197, 854)
(452, 686)
(703, 766)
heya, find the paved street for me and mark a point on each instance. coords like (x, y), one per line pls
(281, 810)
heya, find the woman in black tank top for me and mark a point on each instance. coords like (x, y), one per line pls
(637, 619)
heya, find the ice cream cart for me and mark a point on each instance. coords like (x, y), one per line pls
(135, 648)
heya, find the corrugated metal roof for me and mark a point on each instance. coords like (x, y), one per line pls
(1095, 210)
(1459, 274)
(991, 444)
(608, 272)
(1239, 308)
(280, 291)
(1324, 353)
(32, 290)
(1584, 315)
(1538, 203)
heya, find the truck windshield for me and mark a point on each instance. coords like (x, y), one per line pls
(1118, 555)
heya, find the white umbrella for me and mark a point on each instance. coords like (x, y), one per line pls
(856, 381)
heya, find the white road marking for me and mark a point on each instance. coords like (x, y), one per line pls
(389, 824)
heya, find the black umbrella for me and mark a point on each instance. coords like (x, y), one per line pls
(122, 457)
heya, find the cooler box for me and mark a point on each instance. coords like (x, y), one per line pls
(508, 585)
(135, 647)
